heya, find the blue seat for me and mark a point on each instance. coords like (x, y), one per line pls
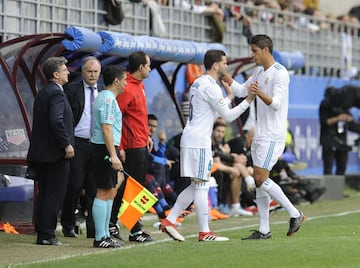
(16, 200)
(19, 190)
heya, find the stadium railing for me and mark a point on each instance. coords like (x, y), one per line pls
(327, 50)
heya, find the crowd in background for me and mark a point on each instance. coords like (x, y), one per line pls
(249, 11)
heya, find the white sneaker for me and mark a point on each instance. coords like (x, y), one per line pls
(210, 236)
(236, 212)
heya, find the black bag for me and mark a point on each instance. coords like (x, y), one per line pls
(115, 14)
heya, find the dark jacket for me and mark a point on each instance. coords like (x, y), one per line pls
(329, 135)
(52, 128)
(76, 96)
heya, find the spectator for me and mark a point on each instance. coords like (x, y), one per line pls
(312, 4)
(214, 213)
(242, 145)
(207, 103)
(157, 25)
(157, 180)
(163, 160)
(355, 12)
(212, 10)
(135, 141)
(105, 156)
(81, 96)
(51, 148)
(231, 10)
(233, 167)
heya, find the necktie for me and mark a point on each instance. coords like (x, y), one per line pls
(92, 98)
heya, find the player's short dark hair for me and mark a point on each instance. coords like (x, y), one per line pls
(219, 124)
(262, 41)
(135, 60)
(111, 72)
(212, 56)
(152, 117)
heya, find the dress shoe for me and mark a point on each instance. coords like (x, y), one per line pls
(69, 233)
(50, 242)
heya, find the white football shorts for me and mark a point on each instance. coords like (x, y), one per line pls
(196, 163)
(266, 153)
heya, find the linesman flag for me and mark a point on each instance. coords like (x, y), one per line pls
(136, 201)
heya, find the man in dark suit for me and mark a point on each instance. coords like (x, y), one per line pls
(81, 96)
(51, 148)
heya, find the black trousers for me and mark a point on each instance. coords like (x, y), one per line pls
(53, 179)
(340, 156)
(136, 165)
(223, 182)
(81, 177)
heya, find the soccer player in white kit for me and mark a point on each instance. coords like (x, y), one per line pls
(206, 104)
(270, 84)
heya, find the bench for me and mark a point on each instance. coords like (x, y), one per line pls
(334, 185)
(16, 200)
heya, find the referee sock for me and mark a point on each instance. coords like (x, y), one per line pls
(108, 216)
(99, 210)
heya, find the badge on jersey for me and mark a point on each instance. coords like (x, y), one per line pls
(221, 102)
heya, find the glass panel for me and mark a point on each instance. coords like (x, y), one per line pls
(160, 103)
(26, 94)
(13, 135)
(31, 54)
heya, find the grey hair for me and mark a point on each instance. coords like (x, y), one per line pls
(89, 58)
(52, 65)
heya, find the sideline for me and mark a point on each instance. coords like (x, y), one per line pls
(127, 247)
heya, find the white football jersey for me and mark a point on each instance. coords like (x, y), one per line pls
(270, 120)
(206, 104)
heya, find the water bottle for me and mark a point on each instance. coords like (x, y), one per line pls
(340, 127)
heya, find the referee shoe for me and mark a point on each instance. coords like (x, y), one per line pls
(140, 237)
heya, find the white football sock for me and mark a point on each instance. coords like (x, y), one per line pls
(202, 208)
(263, 202)
(277, 193)
(183, 200)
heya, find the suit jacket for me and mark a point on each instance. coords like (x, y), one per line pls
(76, 96)
(52, 128)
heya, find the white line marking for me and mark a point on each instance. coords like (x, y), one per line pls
(127, 247)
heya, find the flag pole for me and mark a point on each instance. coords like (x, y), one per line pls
(108, 158)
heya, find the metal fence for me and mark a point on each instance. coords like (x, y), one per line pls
(325, 54)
